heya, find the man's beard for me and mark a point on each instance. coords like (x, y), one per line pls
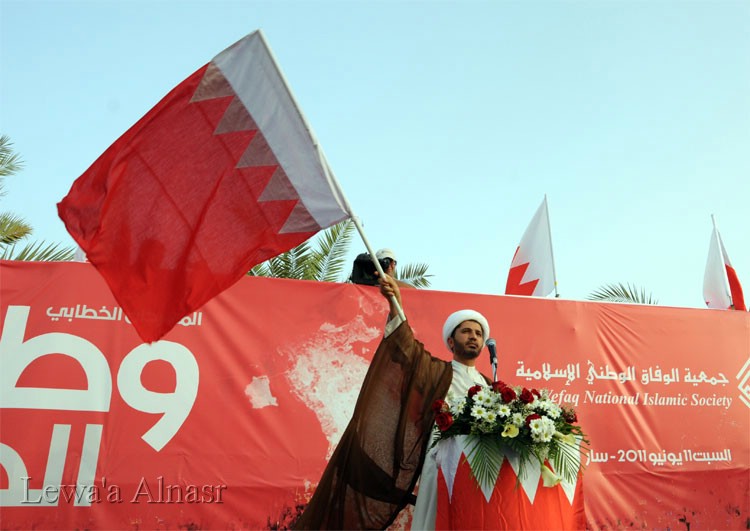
(467, 354)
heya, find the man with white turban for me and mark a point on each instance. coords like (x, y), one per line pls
(374, 469)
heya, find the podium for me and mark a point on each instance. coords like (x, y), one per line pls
(506, 503)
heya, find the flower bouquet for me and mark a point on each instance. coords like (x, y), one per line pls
(523, 420)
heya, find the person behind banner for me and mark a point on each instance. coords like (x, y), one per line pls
(363, 269)
(373, 472)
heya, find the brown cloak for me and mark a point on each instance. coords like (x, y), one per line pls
(373, 471)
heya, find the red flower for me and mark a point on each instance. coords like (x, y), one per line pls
(536, 393)
(508, 394)
(443, 420)
(570, 416)
(498, 385)
(438, 405)
(531, 417)
(474, 390)
(527, 397)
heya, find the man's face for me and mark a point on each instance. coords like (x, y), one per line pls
(467, 341)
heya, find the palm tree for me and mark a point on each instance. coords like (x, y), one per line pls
(13, 228)
(325, 260)
(620, 292)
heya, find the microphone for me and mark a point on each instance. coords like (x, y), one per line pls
(493, 352)
(493, 357)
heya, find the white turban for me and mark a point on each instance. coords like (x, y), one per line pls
(456, 318)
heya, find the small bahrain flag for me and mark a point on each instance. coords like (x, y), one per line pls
(222, 174)
(532, 271)
(721, 287)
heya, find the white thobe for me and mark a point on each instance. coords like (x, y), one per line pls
(463, 378)
(425, 511)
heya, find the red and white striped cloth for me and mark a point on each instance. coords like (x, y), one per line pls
(222, 174)
(721, 287)
(532, 271)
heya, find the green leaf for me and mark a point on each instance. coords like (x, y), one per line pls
(330, 257)
(414, 274)
(566, 460)
(620, 292)
(323, 258)
(12, 229)
(37, 251)
(10, 162)
(485, 458)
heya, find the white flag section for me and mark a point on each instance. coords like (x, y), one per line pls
(721, 287)
(251, 70)
(715, 286)
(532, 271)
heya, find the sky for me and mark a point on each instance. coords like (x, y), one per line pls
(445, 122)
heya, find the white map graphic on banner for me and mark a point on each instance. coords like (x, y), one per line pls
(328, 374)
(259, 393)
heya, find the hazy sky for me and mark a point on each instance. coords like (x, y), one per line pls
(445, 122)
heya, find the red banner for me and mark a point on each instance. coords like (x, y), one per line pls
(228, 421)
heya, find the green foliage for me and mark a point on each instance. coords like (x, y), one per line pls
(14, 229)
(414, 274)
(325, 259)
(10, 162)
(323, 262)
(485, 458)
(37, 251)
(620, 292)
(501, 420)
(567, 458)
(329, 258)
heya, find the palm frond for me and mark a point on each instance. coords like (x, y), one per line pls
(10, 162)
(620, 292)
(12, 229)
(39, 251)
(414, 274)
(485, 458)
(260, 270)
(324, 259)
(303, 262)
(330, 258)
(567, 459)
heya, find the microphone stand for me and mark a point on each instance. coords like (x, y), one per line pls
(493, 357)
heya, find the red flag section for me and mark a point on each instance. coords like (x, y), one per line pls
(515, 284)
(220, 175)
(735, 288)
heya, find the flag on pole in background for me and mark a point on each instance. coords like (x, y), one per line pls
(532, 271)
(721, 287)
(222, 174)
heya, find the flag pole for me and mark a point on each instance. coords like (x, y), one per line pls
(552, 254)
(720, 245)
(341, 197)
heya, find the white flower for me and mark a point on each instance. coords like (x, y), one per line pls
(503, 410)
(517, 419)
(542, 429)
(457, 407)
(549, 408)
(485, 397)
(478, 412)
